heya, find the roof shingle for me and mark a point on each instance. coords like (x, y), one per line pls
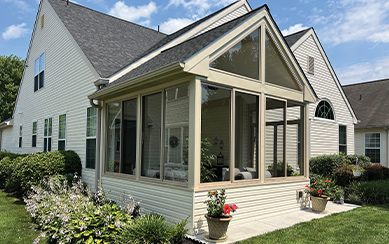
(293, 38)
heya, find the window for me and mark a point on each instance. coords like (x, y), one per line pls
(47, 134)
(39, 75)
(114, 123)
(128, 162)
(62, 132)
(324, 110)
(373, 147)
(311, 65)
(34, 132)
(242, 58)
(343, 139)
(20, 135)
(90, 156)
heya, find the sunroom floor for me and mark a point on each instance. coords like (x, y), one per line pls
(249, 229)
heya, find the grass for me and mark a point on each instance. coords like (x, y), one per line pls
(15, 224)
(367, 224)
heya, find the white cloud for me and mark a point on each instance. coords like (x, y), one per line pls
(15, 31)
(293, 29)
(358, 20)
(171, 25)
(366, 71)
(22, 6)
(199, 8)
(131, 13)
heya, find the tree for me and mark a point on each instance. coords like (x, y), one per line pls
(11, 70)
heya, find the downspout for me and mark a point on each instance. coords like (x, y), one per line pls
(387, 146)
(99, 84)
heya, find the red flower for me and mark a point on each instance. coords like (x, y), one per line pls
(312, 189)
(319, 191)
(306, 186)
(227, 209)
(212, 193)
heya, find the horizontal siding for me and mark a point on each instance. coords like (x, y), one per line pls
(68, 81)
(254, 202)
(325, 86)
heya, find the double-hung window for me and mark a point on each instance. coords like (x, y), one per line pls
(90, 137)
(62, 132)
(20, 135)
(343, 139)
(34, 132)
(39, 75)
(47, 134)
(373, 147)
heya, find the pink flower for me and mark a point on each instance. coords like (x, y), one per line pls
(227, 209)
(234, 207)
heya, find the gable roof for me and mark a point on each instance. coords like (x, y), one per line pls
(184, 50)
(293, 38)
(108, 42)
(370, 102)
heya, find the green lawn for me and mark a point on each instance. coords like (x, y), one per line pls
(14, 221)
(368, 224)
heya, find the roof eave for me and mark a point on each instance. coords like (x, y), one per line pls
(176, 66)
(6, 123)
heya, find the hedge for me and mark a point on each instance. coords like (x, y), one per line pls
(18, 174)
(371, 192)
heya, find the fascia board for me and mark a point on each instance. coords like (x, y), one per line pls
(178, 40)
(312, 33)
(7, 123)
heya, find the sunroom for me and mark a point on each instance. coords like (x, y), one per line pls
(224, 109)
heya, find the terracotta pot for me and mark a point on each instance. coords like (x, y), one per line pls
(319, 203)
(217, 227)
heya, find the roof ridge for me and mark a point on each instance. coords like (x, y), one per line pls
(366, 82)
(114, 17)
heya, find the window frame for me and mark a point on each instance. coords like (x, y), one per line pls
(34, 135)
(339, 144)
(89, 137)
(332, 109)
(20, 136)
(379, 148)
(59, 130)
(39, 72)
(47, 136)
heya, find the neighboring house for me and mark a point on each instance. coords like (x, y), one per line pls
(370, 102)
(135, 104)
(332, 118)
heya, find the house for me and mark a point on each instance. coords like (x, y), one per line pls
(368, 100)
(331, 118)
(137, 105)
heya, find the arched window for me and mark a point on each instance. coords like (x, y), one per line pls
(324, 110)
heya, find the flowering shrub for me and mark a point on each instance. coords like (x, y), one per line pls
(320, 188)
(376, 172)
(217, 206)
(73, 214)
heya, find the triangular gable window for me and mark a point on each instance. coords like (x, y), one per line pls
(276, 71)
(242, 58)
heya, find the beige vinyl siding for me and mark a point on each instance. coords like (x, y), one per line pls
(228, 17)
(68, 80)
(7, 139)
(360, 143)
(175, 203)
(254, 202)
(324, 135)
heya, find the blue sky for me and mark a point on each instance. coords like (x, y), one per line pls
(354, 33)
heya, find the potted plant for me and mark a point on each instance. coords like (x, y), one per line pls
(320, 191)
(218, 214)
(357, 170)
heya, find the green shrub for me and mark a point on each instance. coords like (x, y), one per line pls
(152, 229)
(343, 176)
(371, 192)
(325, 165)
(280, 169)
(12, 182)
(4, 154)
(74, 214)
(363, 160)
(72, 162)
(375, 172)
(5, 170)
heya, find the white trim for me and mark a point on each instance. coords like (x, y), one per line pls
(332, 107)
(59, 130)
(89, 137)
(339, 125)
(20, 143)
(364, 144)
(47, 133)
(36, 133)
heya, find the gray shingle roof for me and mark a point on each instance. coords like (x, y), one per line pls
(109, 43)
(185, 49)
(293, 38)
(370, 102)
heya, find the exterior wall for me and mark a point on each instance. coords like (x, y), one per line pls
(360, 143)
(5, 137)
(253, 201)
(68, 80)
(325, 133)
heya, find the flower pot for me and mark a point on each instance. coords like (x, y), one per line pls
(217, 227)
(357, 173)
(319, 203)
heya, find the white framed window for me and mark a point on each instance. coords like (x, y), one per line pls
(343, 139)
(47, 134)
(62, 132)
(373, 147)
(39, 74)
(90, 155)
(20, 135)
(324, 110)
(34, 133)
